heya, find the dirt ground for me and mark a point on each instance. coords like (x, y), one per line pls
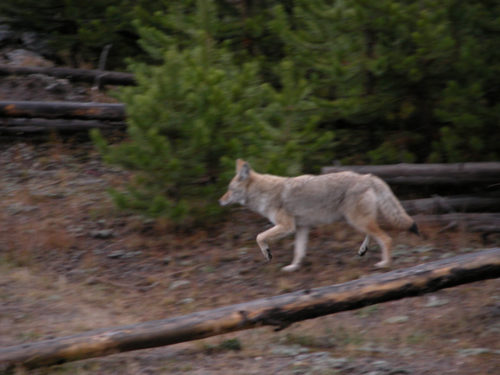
(70, 262)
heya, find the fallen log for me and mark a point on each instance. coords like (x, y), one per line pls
(68, 110)
(470, 219)
(40, 125)
(279, 311)
(439, 205)
(83, 75)
(426, 174)
(484, 223)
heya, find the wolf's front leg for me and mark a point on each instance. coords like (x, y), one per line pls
(264, 246)
(364, 246)
(275, 233)
(301, 237)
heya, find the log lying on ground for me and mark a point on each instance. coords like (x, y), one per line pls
(425, 174)
(40, 125)
(54, 110)
(83, 75)
(279, 311)
(466, 218)
(486, 223)
(438, 205)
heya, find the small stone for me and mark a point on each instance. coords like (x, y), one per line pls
(131, 254)
(102, 233)
(397, 319)
(179, 283)
(446, 255)
(302, 357)
(337, 363)
(76, 230)
(291, 350)
(18, 208)
(434, 301)
(424, 249)
(117, 254)
(59, 86)
(91, 280)
(23, 57)
(381, 365)
(477, 351)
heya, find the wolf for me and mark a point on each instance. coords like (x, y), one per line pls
(295, 204)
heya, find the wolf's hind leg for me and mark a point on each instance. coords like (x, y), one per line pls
(301, 237)
(384, 241)
(362, 215)
(364, 246)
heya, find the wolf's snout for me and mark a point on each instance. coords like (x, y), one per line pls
(225, 199)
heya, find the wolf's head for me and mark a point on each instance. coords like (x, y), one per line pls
(236, 192)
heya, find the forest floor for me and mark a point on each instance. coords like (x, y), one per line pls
(70, 262)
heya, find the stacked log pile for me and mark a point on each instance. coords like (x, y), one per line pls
(29, 117)
(102, 77)
(41, 117)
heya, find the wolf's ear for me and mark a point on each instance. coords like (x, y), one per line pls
(239, 164)
(242, 169)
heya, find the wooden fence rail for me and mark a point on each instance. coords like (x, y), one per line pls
(279, 311)
(424, 174)
(41, 125)
(66, 110)
(440, 205)
(104, 77)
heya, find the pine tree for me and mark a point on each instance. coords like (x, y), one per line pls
(406, 80)
(192, 115)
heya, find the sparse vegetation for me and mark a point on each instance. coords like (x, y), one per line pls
(226, 345)
(83, 284)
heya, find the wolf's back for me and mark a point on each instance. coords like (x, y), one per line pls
(389, 206)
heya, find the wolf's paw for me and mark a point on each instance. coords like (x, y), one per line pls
(266, 252)
(383, 264)
(268, 255)
(290, 268)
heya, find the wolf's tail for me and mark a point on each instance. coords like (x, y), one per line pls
(390, 209)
